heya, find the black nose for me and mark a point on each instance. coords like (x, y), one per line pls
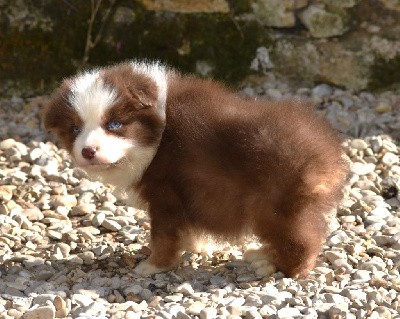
(88, 152)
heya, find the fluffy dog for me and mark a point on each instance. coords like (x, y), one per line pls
(202, 159)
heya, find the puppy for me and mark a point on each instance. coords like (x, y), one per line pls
(202, 159)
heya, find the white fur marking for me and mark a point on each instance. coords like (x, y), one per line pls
(157, 72)
(90, 97)
(146, 268)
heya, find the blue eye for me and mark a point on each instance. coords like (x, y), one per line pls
(76, 129)
(113, 125)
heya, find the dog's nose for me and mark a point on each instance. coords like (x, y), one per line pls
(88, 152)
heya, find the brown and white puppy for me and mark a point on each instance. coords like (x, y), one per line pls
(201, 159)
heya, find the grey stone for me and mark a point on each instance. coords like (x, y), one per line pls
(359, 144)
(45, 312)
(321, 91)
(94, 309)
(275, 13)
(111, 225)
(323, 24)
(173, 298)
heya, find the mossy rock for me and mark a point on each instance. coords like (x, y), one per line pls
(385, 73)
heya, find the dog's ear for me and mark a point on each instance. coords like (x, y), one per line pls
(146, 96)
(50, 113)
(140, 89)
(55, 110)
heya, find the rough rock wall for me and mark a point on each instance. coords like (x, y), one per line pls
(349, 43)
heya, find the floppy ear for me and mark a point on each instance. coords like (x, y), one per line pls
(52, 114)
(56, 110)
(143, 91)
(137, 87)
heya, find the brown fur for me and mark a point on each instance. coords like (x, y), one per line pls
(59, 117)
(226, 165)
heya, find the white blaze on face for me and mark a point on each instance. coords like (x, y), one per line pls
(90, 97)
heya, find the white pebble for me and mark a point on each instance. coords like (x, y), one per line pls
(111, 225)
(390, 159)
(208, 313)
(185, 288)
(288, 312)
(359, 144)
(361, 168)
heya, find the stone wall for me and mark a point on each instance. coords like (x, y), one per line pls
(349, 43)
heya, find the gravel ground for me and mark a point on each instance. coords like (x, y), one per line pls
(68, 246)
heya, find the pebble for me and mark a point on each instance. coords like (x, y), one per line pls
(173, 298)
(363, 275)
(208, 313)
(94, 309)
(6, 192)
(321, 91)
(383, 108)
(332, 255)
(196, 308)
(61, 307)
(383, 312)
(390, 159)
(111, 225)
(64, 200)
(288, 312)
(185, 288)
(359, 144)
(98, 219)
(361, 168)
(46, 312)
(267, 311)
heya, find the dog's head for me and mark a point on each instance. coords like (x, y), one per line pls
(110, 118)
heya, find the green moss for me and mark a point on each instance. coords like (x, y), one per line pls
(240, 6)
(385, 73)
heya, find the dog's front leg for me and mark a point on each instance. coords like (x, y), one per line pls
(166, 244)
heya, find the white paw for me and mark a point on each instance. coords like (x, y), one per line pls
(259, 262)
(203, 248)
(146, 268)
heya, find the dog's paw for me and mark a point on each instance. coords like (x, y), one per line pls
(146, 268)
(259, 262)
(263, 268)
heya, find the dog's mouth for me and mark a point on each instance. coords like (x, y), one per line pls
(99, 166)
